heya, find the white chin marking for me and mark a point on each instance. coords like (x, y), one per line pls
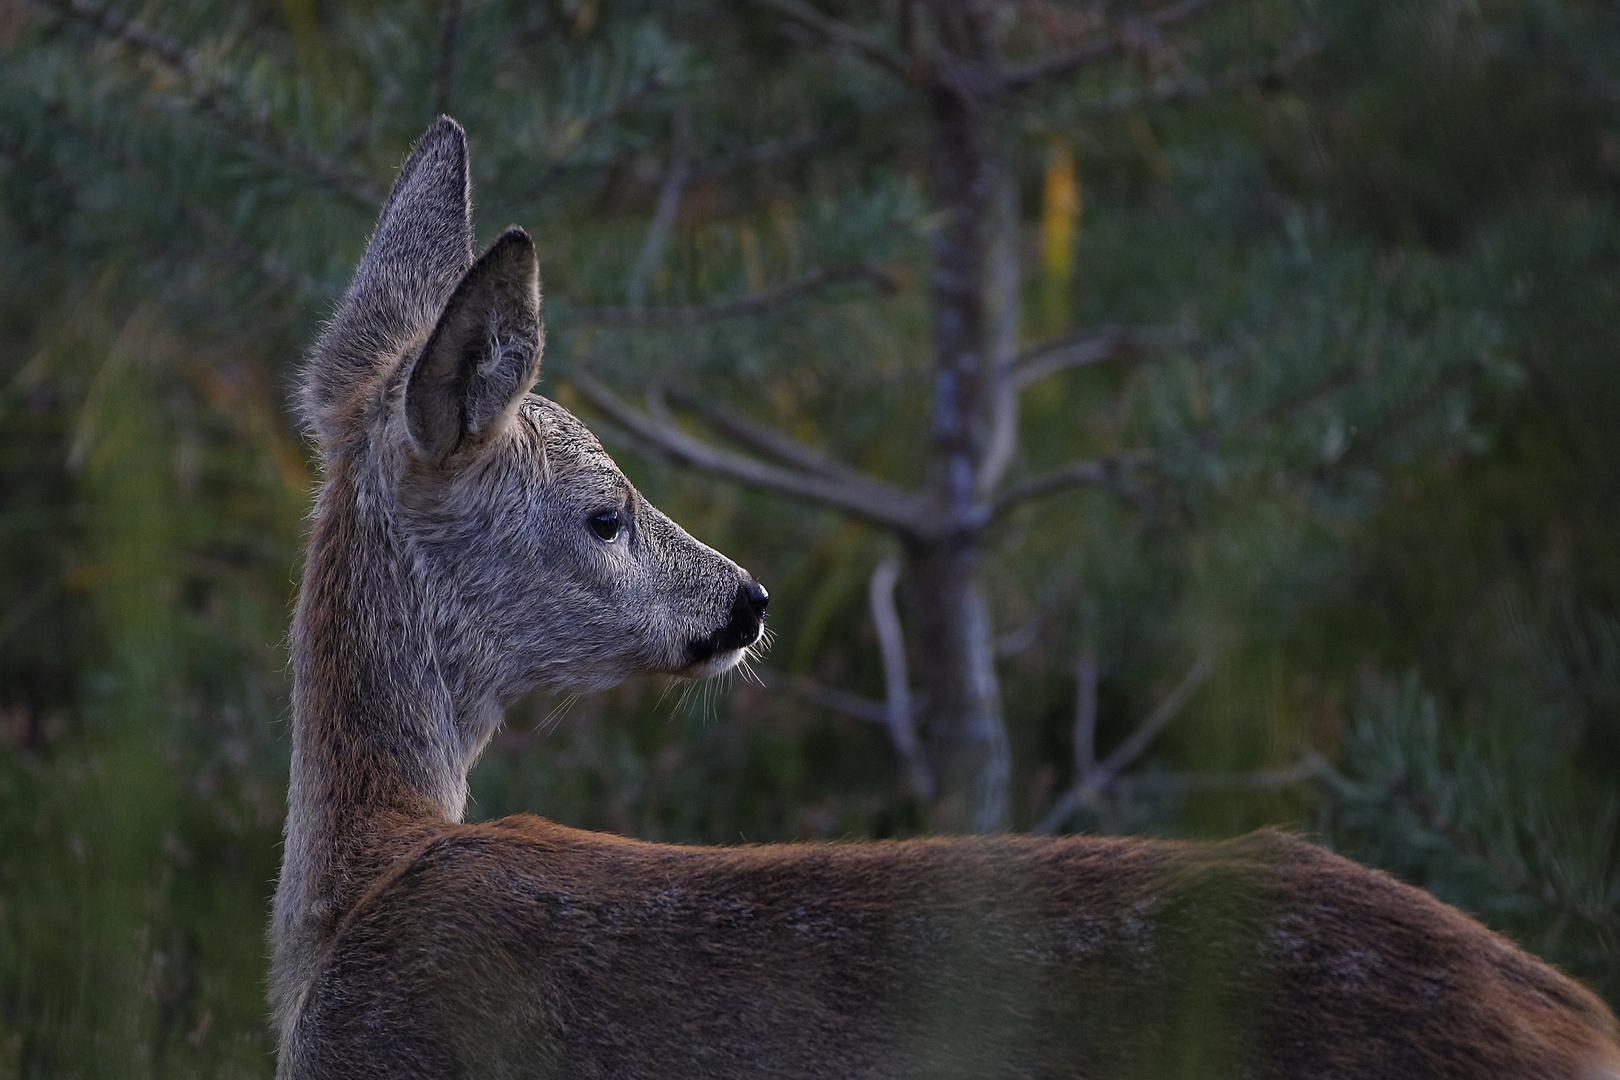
(714, 665)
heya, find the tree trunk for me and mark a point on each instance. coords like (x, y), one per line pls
(965, 740)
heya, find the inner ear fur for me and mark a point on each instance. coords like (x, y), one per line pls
(484, 354)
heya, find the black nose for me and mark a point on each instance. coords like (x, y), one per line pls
(742, 629)
(755, 598)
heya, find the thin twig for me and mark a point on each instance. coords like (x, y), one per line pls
(752, 304)
(839, 701)
(651, 256)
(1002, 297)
(1085, 712)
(763, 440)
(863, 496)
(1088, 347)
(1140, 739)
(842, 701)
(896, 684)
(1107, 473)
(840, 33)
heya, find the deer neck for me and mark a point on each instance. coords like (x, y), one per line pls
(378, 757)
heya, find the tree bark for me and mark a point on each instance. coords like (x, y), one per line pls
(965, 740)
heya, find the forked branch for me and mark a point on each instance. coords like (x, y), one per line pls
(862, 496)
(1096, 780)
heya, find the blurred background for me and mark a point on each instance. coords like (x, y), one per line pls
(1161, 418)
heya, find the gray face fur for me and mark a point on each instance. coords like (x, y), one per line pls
(420, 388)
(509, 536)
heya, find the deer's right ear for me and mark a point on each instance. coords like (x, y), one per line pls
(484, 354)
(420, 250)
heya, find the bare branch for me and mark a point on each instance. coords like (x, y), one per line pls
(1129, 750)
(1002, 297)
(1097, 48)
(1085, 712)
(862, 496)
(1091, 784)
(842, 701)
(1063, 810)
(839, 701)
(651, 255)
(1088, 347)
(1107, 473)
(752, 304)
(205, 97)
(840, 33)
(763, 440)
(896, 685)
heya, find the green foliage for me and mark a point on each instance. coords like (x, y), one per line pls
(1381, 461)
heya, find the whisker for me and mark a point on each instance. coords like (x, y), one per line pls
(558, 711)
(686, 695)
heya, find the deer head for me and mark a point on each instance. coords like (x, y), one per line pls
(539, 562)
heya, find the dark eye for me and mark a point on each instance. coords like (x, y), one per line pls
(606, 524)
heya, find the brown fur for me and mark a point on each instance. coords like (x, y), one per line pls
(453, 565)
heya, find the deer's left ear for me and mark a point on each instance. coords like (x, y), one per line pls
(484, 354)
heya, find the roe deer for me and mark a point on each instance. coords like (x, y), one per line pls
(473, 540)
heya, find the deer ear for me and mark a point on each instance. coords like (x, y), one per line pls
(484, 354)
(421, 248)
